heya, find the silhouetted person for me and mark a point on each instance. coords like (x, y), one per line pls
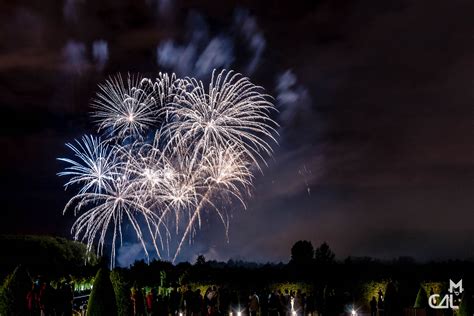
(32, 301)
(45, 300)
(155, 309)
(298, 303)
(310, 304)
(331, 303)
(215, 297)
(197, 303)
(282, 305)
(65, 297)
(224, 301)
(373, 306)
(254, 304)
(150, 303)
(380, 303)
(212, 298)
(303, 303)
(273, 303)
(287, 302)
(174, 300)
(187, 300)
(162, 306)
(138, 302)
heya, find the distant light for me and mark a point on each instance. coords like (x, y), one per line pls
(180, 314)
(354, 313)
(230, 313)
(293, 313)
(239, 313)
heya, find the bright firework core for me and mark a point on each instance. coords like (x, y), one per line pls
(205, 143)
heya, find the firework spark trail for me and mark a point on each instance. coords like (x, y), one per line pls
(232, 111)
(96, 166)
(125, 110)
(190, 226)
(227, 173)
(206, 140)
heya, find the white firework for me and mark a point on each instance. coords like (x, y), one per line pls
(105, 216)
(125, 110)
(95, 167)
(225, 174)
(228, 171)
(200, 159)
(231, 111)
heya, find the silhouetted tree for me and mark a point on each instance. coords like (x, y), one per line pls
(302, 252)
(102, 299)
(45, 255)
(139, 271)
(391, 302)
(201, 260)
(122, 293)
(324, 254)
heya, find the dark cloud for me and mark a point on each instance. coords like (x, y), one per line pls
(202, 52)
(293, 100)
(375, 99)
(247, 27)
(75, 56)
(100, 53)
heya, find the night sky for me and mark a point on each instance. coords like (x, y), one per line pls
(376, 104)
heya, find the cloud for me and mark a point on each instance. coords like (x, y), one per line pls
(74, 54)
(100, 53)
(179, 58)
(129, 253)
(210, 250)
(70, 10)
(77, 59)
(247, 27)
(219, 53)
(188, 60)
(164, 8)
(293, 99)
(201, 53)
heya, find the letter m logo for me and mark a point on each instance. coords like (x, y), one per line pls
(455, 288)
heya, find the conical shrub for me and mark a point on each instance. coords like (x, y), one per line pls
(14, 291)
(102, 300)
(421, 299)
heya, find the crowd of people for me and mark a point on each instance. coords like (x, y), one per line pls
(221, 301)
(44, 300)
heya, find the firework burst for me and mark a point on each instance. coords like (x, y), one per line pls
(231, 111)
(95, 167)
(125, 109)
(205, 142)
